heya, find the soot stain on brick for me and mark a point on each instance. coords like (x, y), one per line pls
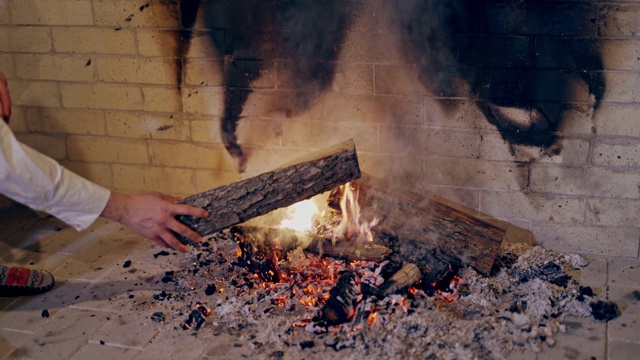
(500, 50)
(528, 55)
(306, 35)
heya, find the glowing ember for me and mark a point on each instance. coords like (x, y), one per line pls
(351, 226)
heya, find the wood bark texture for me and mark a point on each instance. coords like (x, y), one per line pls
(243, 200)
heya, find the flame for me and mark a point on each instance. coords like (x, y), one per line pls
(351, 226)
(301, 216)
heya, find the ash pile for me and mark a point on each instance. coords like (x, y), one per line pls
(295, 304)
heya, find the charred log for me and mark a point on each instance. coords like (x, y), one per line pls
(243, 200)
(342, 249)
(256, 261)
(459, 233)
(340, 307)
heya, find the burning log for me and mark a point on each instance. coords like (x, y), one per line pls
(349, 250)
(340, 306)
(342, 249)
(243, 200)
(429, 222)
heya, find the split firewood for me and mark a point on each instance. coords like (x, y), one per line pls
(459, 233)
(243, 200)
(408, 275)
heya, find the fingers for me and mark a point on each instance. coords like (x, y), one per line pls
(5, 99)
(182, 209)
(170, 241)
(183, 230)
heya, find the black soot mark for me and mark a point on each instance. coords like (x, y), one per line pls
(530, 56)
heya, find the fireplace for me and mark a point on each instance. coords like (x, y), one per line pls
(522, 114)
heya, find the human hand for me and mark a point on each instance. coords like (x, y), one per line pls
(152, 215)
(5, 99)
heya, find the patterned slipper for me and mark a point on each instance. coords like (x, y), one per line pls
(21, 281)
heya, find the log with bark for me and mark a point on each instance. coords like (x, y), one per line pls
(243, 200)
(420, 223)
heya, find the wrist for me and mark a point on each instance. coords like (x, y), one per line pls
(114, 210)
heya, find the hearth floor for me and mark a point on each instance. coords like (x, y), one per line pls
(101, 308)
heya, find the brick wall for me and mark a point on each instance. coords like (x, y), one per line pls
(101, 86)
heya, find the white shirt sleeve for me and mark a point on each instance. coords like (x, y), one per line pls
(35, 180)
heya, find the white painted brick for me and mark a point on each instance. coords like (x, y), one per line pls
(98, 173)
(33, 39)
(51, 145)
(203, 101)
(268, 103)
(471, 173)
(622, 87)
(93, 40)
(179, 154)
(621, 54)
(353, 78)
(100, 149)
(137, 70)
(203, 72)
(146, 126)
(591, 240)
(136, 13)
(513, 205)
(206, 131)
(101, 96)
(577, 120)
(54, 67)
(265, 133)
(578, 180)
(423, 141)
(618, 119)
(573, 151)
(46, 12)
(613, 212)
(66, 121)
(157, 42)
(172, 181)
(209, 179)
(263, 160)
(316, 135)
(202, 46)
(34, 93)
(617, 152)
(5, 16)
(454, 114)
(18, 119)
(374, 108)
(7, 65)
(161, 99)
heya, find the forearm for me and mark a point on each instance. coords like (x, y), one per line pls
(39, 182)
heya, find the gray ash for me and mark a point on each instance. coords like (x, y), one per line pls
(524, 305)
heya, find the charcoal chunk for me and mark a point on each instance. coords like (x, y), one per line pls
(604, 310)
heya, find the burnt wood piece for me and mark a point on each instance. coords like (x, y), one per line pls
(408, 275)
(340, 307)
(243, 200)
(289, 239)
(459, 234)
(349, 250)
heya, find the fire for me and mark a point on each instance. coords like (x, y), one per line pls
(351, 226)
(301, 216)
